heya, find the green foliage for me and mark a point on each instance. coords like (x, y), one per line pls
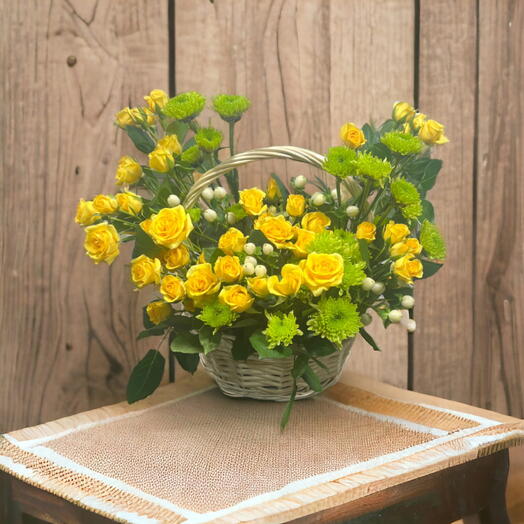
(188, 361)
(260, 344)
(208, 139)
(141, 139)
(209, 339)
(281, 329)
(340, 161)
(432, 241)
(231, 107)
(185, 343)
(402, 143)
(146, 376)
(185, 106)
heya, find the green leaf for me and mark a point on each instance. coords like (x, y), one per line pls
(319, 347)
(289, 406)
(211, 254)
(183, 323)
(241, 347)
(151, 332)
(370, 134)
(179, 129)
(299, 366)
(428, 212)
(144, 245)
(246, 322)
(281, 186)
(259, 342)
(312, 379)
(430, 268)
(257, 237)
(188, 361)
(143, 142)
(369, 339)
(429, 177)
(208, 340)
(185, 343)
(146, 376)
(364, 250)
(238, 211)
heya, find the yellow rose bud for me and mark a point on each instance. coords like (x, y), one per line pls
(156, 99)
(201, 282)
(352, 135)
(367, 231)
(86, 213)
(161, 160)
(145, 270)
(272, 190)
(125, 117)
(252, 200)
(158, 311)
(102, 242)
(295, 205)
(128, 171)
(419, 120)
(395, 232)
(105, 204)
(299, 247)
(316, 221)
(258, 286)
(172, 288)
(289, 284)
(407, 268)
(321, 271)
(276, 229)
(129, 203)
(228, 268)
(408, 246)
(169, 227)
(232, 241)
(236, 297)
(176, 258)
(432, 132)
(171, 144)
(403, 111)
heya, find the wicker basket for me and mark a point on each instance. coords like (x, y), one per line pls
(264, 379)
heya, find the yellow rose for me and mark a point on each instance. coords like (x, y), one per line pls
(419, 120)
(272, 190)
(395, 232)
(432, 132)
(145, 270)
(366, 230)
(171, 144)
(276, 229)
(105, 204)
(290, 282)
(102, 242)
(403, 111)
(175, 258)
(408, 246)
(125, 117)
(158, 311)
(352, 135)
(407, 268)
(172, 288)
(295, 205)
(161, 160)
(321, 271)
(258, 286)
(201, 282)
(232, 241)
(299, 247)
(169, 227)
(156, 99)
(86, 213)
(315, 221)
(252, 200)
(236, 297)
(128, 171)
(129, 203)
(228, 268)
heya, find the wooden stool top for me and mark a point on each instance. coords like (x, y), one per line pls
(190, 454)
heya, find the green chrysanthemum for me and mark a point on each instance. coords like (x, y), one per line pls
(407, 197)
(342, 242)
(336, 319)
(231, 107)
(195, 213)
(191, 156)
(373, 167)
(217, 315)
(353, 274)
(402, 143)
(340, 161)
(208, 139)
(432, 241)
(281, 329)
(185, 106)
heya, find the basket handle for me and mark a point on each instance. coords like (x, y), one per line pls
(289, 152)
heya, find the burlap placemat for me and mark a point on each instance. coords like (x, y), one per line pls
(190, 454)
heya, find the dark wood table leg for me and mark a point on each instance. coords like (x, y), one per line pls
(496, 512)
(9, 510)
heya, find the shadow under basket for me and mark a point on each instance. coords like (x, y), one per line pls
(269, 379)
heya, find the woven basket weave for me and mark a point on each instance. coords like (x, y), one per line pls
(264, 379)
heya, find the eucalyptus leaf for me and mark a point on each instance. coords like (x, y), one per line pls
(146, 376)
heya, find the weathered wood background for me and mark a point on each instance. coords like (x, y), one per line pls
(67, 328)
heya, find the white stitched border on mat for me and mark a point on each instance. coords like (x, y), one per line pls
(460, 414)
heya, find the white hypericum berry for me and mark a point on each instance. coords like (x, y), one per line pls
(366, 319)
(300, 182)
(251, 260)
(208, 193)
(250, 248)
(334, 194)
(231, 218)
(318, 199)
(367, 284)
(395, 315)
(220, 193)
(210, 215)
(378, 288)
(260, 270)
(410, 325)
(173, 201)
(267, 249)
(407, 301)
(352, 211)
(249, 268)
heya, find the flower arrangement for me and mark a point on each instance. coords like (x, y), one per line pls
(282, 273)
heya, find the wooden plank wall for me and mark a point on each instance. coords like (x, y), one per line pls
(67, 328)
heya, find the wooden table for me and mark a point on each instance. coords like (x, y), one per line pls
(476, 487)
